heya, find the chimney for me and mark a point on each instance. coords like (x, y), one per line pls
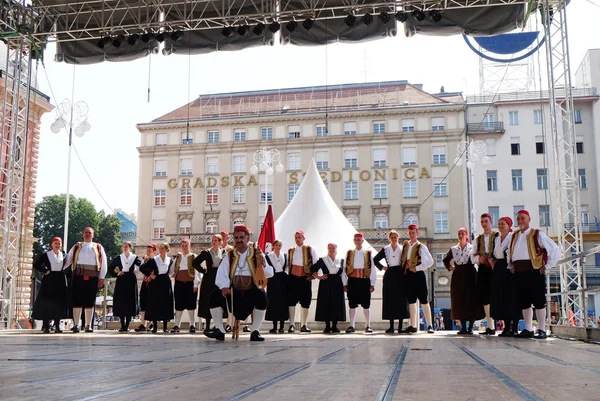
(418, 86)
(442, 90)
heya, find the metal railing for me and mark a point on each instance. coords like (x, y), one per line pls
(531, 95)
(586, 227)
(485, 127)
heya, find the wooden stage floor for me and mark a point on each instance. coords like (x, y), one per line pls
(300, 367)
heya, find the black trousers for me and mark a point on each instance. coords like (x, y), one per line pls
(359, 292)
(530, 289)
(299, 290)
(244, 301)
(416, 287)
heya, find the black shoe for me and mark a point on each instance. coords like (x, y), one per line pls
(281, 331)
(206, 331)
(246, 329)
(291, 329)
(227, 329)
(58, 331)
(505, 333)
(470, 331)
(255, 336)
(218, 335)
(305, 329)
(327, 330)
(368, 329)
(154, 330)
(335, 330)
(541, 335)
(151, 328)
(140, 328)
(165, 331)
(273, 331)
(525, 334)
(75, 329)
(88, 329)
(174, 330)
(350, 329)
(489, 332)
(46, 330)
(430, 330)
(192, 329)
(390, 331)
(123, 330)
(410, 330)
(462, 332)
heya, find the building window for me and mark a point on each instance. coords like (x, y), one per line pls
(540, 147)
(160, 168)
(292, 189)
(517, 180)
(238, 221)
(544, 215)
(211, 226)
(213, 136)
(266, 133)
(582, 179)
(293, 161)
(490, 144)
(439, 259)
(185, 197)
(492, 180)
(161, 139)
(437, 123)
(578, 117)
(321, 130)
(239, 194)
(350, 159)
(516, 210)
(160, 197)
(212, 165)
(239, 164)
(294, 131)
(186, 138)
(350, 190)
(322, 159)
(379, 190)
(379, 158)
(381, 222)
(495, 212)
(185, 227)
(410, 218)
(488, 121)
(379, 127)
(266, 193)
(212, 196)
(440, 187)
(158, 229)
(353, 219)
(350, 128)
(239, 135)
(185, 166)
(585, 218)
(408, 125)
(579, 144)
(513, 117)
(409, 156)
(410, 188)
(542, 178)
(538, 117)
(439, 154)
(441, 222)
(515, 145)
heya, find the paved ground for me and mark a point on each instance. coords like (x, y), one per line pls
(295, 367)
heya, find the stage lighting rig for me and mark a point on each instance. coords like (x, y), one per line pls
(367, 19)
(226, 31)
(291, 26)
(274, 27)
(436, 16)
(118, 40)
(308, 23)
(384, 17)
(401, 16)
(258, 29)
(133, 39)
(176, 36)
(242, 30)
(418, 15)
(350, 20)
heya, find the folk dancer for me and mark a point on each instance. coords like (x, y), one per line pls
(301, 258)
(331, 305)
(125, 296)
(483, 252)
(160, 292)
(225, 245)
(207, 263)
(150, 253)
(89, 265)
(530, 253)
(359, 279)
(395, 305)
(277, 308)
(186, 286)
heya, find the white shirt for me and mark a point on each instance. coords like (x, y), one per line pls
(299, 259)
(486, 247)
(87, 256)
(461, 256)
(56, 261)
(184, 264)
(164, 267)
(393, 257)
(521, 252)
(277, 261)
(333, 265)
(359, 263)
(222, 279)
(127, 263)
(426, 259)
(500, 246)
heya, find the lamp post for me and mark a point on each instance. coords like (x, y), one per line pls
(474, 152)
(269, 162)
(70, 117)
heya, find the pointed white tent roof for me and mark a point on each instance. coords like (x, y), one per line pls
(313, 211)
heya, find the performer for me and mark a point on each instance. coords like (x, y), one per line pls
(483, 252)
(301, 258)
(51, 302)
(212, 259)
(241, 279)
(277, 309)
(530, 253)
(125, 297)
(331, 305)
(503, 299)
(186, 286)
(89, 265)
(394, 295)
(150, 253)
(463, 288)
(225, 238)
(416, 259)
(160, 293)
(359, 279)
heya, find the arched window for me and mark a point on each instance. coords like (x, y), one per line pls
(238, 221)
(410, 218)
(211, 226)
(185, 226)
(381, 222)
(353, 219)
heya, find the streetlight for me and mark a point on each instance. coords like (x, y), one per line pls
(77, 120)
(269, 162)
(474, 152)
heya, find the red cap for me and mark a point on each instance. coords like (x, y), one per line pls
(241, 228)
(525, 212)
(463, 229)
(413, 227)
(489, 216)
(299, 232)
(55, 239)
(224, 232)
(358, 235)
(331, 244)
(185, 240)
(153, 246)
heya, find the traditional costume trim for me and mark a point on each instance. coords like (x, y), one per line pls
(307, 261)
(350, 262)
(95, 247)
(480, 241)
(190, 268)
(415, 255)
(537, 254)
(255, 265)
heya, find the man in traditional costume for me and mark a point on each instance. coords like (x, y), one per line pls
(301, 258)
(241, 279)
(359, 277)
(207, 263)
(415, 260)
(483, 253)
(530, 253)
(150, 254)
(186, 286)
(89, 265)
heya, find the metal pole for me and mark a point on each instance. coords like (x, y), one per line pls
(66, 232)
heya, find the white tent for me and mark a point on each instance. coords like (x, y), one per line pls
(313, 211)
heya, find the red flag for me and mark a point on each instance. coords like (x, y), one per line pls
(267, 234)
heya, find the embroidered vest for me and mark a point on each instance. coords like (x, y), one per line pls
(480, 240)
(255, 265)
(307, 261)
(415, 254)
(537, 254)
(350, 262)
(190, 268)
(95, 247)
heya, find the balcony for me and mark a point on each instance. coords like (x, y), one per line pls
(496, 127)
(586, 227)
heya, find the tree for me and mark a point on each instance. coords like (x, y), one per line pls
(109, 234)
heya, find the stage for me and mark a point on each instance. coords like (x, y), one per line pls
(342, 367)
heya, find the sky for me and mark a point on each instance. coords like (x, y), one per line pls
(117, 93)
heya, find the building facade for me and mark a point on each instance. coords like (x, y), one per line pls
(128, 226)
(382, 149)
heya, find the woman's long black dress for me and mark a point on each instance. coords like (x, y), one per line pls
(395, 304)
(207, 285)
(159, 305)
(464, 302)
(277, 307)
(125, 296)
(51, 302)
(503, 299)
(331, 303)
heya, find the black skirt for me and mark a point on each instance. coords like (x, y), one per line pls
(51, 301)
(159, 305)
(125, 295)
(207, 286)
(277, 308)
(331, 305)
(484, 284)
(464, 302)
(185, 297)
(395, 304)
(83, 292)
(503, 301)
(143, 296)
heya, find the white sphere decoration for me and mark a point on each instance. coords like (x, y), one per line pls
(254, 169)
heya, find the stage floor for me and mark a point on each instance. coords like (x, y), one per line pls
(288, 367)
